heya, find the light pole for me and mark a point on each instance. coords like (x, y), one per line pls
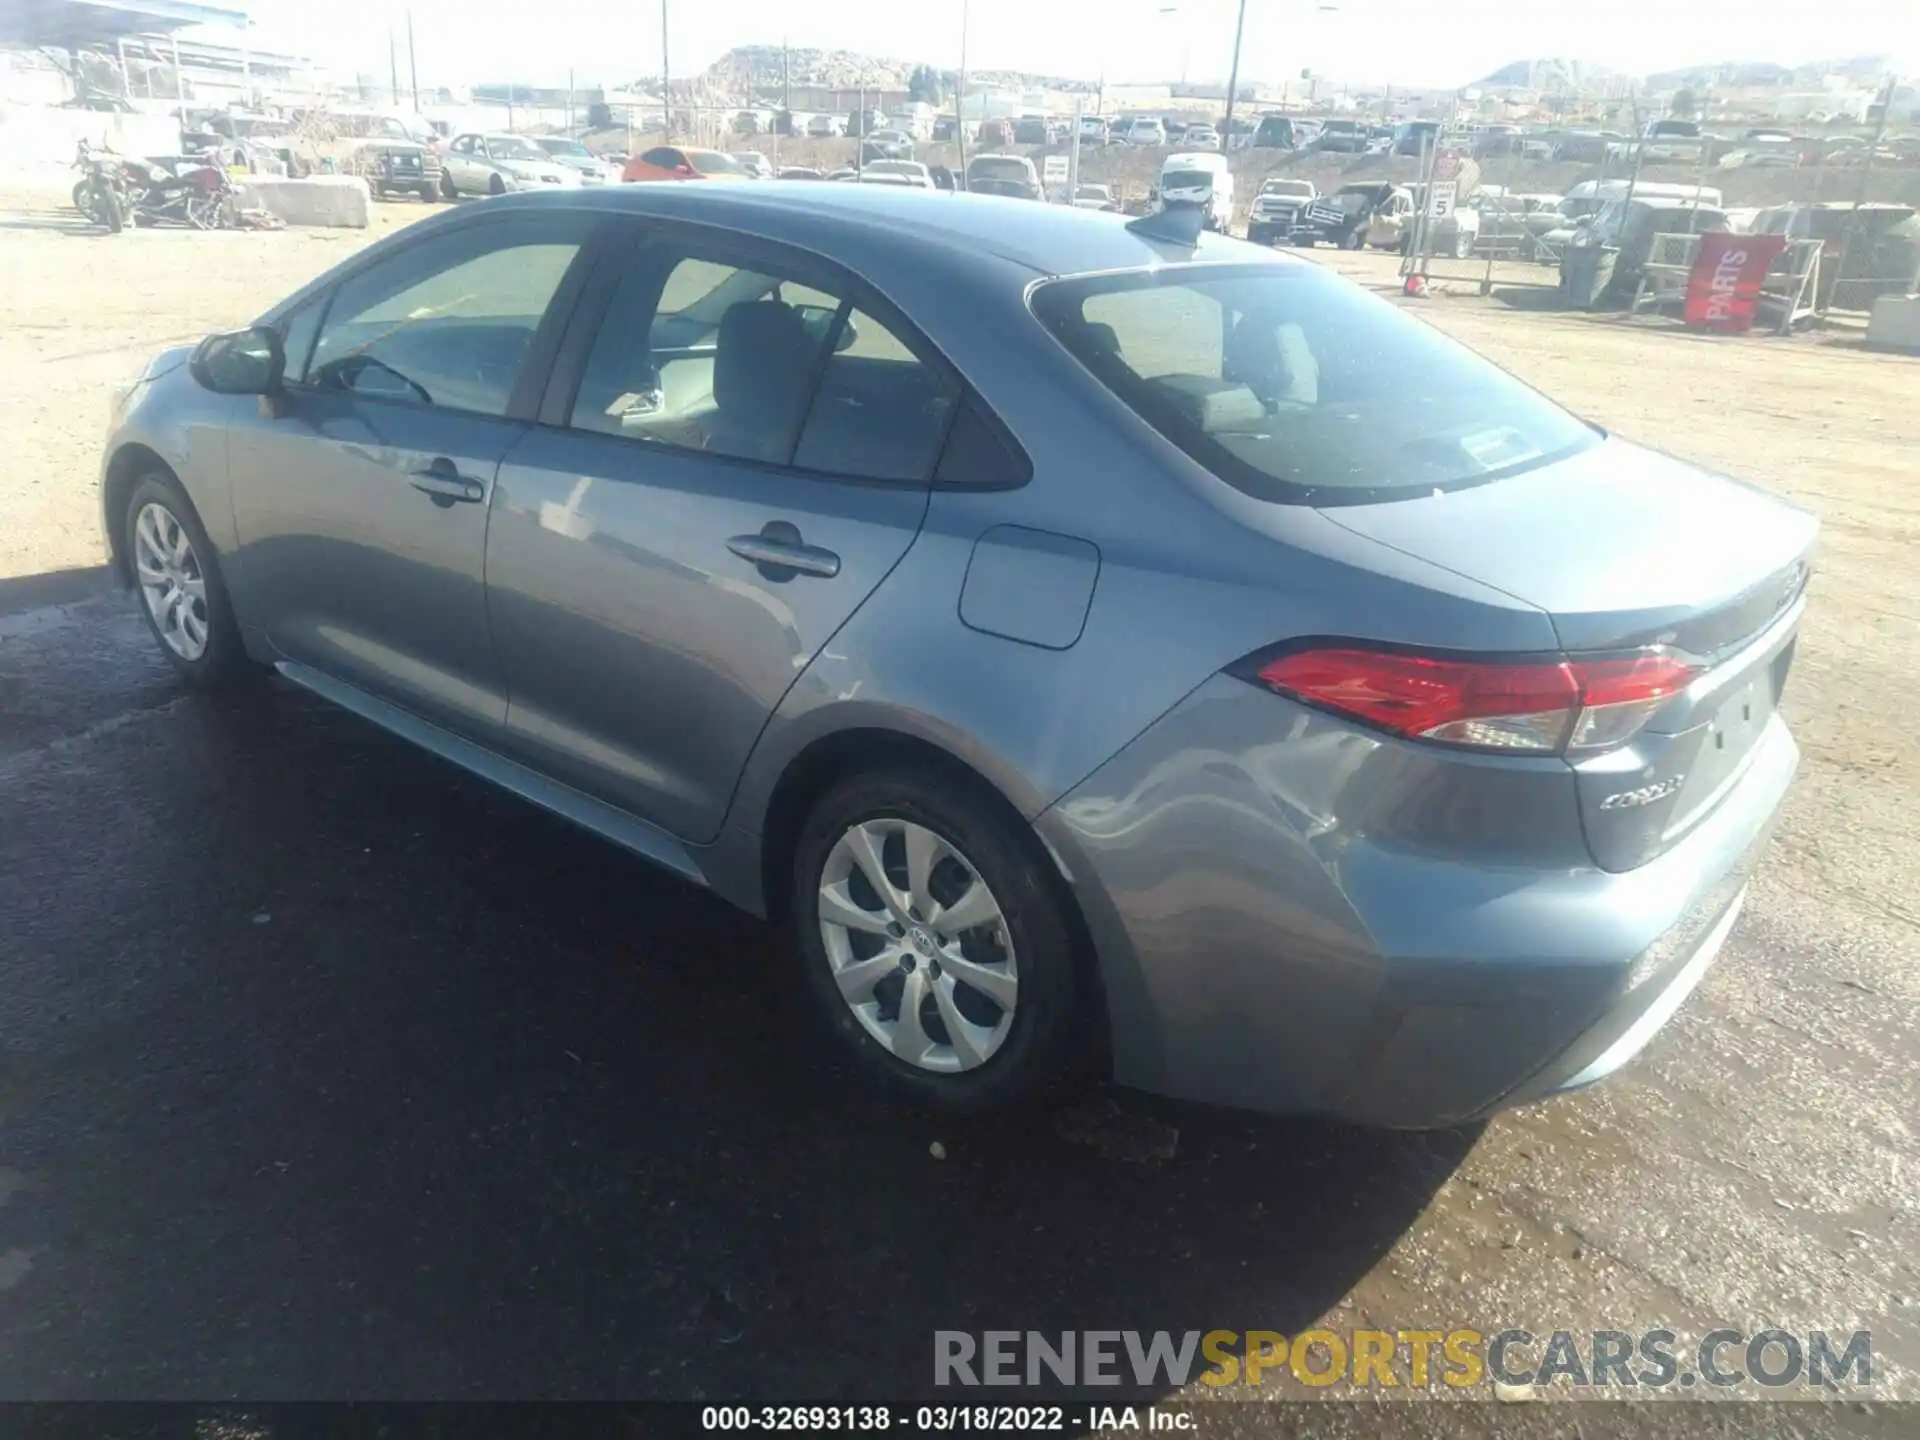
(960, 101)
(666, 99)
(1233, 78)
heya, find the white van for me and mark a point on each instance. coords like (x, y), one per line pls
(1589, 195)
(1199, 177)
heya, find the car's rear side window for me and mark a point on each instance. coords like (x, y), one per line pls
(1295, 386)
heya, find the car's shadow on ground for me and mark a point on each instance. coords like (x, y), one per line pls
(369, 1081)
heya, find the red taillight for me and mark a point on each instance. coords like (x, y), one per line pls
(1528, 705)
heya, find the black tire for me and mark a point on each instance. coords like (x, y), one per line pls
(426, 194)
(496, 186)
(1354, 239)
(83, 199)
(224, 659)
(447, 190)
(1046, 1021)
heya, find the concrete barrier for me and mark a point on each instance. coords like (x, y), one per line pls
(329, 200)
(1895, 323)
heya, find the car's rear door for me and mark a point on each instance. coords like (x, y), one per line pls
(361, 491)
(711, 493)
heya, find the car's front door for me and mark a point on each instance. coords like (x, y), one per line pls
(361, 491)
(459, 161)
(737, 447)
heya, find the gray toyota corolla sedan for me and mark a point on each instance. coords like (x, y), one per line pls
(1087, 638)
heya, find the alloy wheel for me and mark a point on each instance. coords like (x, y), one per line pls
(918, 945)
(172, 583)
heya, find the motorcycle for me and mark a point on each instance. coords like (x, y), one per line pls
(100, 193)
(195, 194)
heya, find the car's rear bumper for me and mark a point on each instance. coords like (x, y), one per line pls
(1261, 947)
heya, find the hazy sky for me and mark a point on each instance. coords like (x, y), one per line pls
(1412, 42)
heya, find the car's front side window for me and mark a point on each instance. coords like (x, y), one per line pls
(447, 322)
(705, 354)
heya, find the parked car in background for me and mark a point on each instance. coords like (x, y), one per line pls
(1093, 130)
(825, 127)
(1279, 210)
(945, 127)
(394, 166)
(910, 173)
(1094, 197)
(1414, 137)
(1147, 131)
(1275, 132)
(754, 163)
(845, 174)
(1881, 242)
(800, 172)
(994, 133)
(1010, 175)
(476, 164)
(594, 169)
(888, 145)
(1662, 142)
(681, 162)
(1166, 653)
(1030, 130)
(865, 122)
(1200, 137)
(1342, 136)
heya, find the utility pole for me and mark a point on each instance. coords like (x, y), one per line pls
(1233, 79)
(393, 69)
(666, 101)
(960, 102)
(413, 69)
(569, 99)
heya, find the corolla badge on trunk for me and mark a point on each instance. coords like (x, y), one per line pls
(1645, 795)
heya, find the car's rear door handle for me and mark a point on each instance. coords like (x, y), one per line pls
(780, 553)
(446, 484)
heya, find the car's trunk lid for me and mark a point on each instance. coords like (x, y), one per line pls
(1624, 548)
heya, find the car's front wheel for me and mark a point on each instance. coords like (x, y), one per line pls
(496, 186)
(934, 939)
(177, 578)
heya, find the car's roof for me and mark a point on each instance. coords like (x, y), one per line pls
(871, 227)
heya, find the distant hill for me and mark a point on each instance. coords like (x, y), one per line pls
(1555, 76)
(1863, 68)
(758, 68)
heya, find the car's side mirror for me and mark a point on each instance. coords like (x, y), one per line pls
(242, 362)
(684, 170)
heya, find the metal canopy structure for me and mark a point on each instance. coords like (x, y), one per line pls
(87, 24)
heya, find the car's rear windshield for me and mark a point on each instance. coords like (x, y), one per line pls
(1295, 386)
(713, 162)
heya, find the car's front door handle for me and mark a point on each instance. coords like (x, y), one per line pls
(781, 554)
(447, 484)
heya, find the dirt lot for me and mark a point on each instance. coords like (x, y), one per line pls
(1755, 1167)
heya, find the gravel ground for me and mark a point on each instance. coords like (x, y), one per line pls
(1754, 1169)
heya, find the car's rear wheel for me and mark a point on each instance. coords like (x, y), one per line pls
(177, 578)
(934, 939)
